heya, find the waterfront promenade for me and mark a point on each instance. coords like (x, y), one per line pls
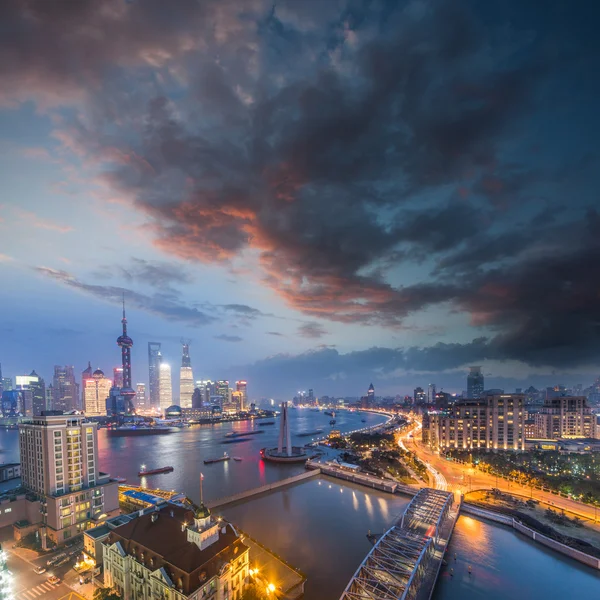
(376, 483)
(220, 502)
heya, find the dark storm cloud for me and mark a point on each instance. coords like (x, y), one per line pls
(341, 144)
(162, 305)
(312, 330)
(228, 338)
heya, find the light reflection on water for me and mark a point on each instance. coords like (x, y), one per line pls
(318, 529)
(505, 565)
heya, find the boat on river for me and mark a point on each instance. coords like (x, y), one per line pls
(265, 423)
(241, 434)
(137, 430)
(223, 458)
(309, 433)
(145, 471)
(237, 458)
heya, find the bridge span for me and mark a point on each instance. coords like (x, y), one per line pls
(405, 562)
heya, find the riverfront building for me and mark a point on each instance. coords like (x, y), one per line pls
(564, 417)
(59, 468)
(186, 378)
(165, 387)
(154, 362)
(175, 551)
(494, 422)
(96, 391)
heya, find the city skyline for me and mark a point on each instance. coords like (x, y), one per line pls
(258, 182)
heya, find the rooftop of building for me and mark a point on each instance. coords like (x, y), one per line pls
(144, 496)
(158, 540)
(98, 532)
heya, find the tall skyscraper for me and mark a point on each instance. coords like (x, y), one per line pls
(49, 397)
(165, 387)
(420, 397)
(72, 498)
(118, 377)
(85, 375)
(371, 395)
(140, 396)
(186, 378)
(431, 393)
(32, 394)
(97, 390)
(154, 360)
(38, 389)
(66, 389)
(125, 343)
(475, 383)
(242, 387)
(223, 389)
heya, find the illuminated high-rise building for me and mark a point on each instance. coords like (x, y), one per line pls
(237, 399)
(118, 377)
(165, 387)
(186, 379)
(85, 375)
(222, 390)
(65, 388)
(475, 383)
(125, 343)
(140, 395)
(32, 394)
(242, 387)
(371, 395)
(60, 470)
(96, 392)
(154, 360)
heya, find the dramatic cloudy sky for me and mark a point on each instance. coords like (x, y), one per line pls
(317, 193)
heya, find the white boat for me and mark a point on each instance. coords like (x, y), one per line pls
(237, 458)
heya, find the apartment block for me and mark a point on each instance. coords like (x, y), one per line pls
(59, 466)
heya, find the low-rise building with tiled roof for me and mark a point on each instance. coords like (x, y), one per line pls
(174, 553)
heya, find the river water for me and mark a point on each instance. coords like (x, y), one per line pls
(320, 525)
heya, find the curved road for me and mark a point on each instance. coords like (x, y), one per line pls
(452, 476)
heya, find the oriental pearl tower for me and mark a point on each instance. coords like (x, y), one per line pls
(125, 343)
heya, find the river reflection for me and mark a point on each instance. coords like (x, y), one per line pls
(320, 527)
(505, 565)
(186, 450)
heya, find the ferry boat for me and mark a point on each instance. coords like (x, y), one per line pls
(137, 430)
(223, 458)
(309, 433)
(240, 434)
(145, 471)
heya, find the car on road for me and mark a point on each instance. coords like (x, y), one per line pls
(40, 570)
(53, 579)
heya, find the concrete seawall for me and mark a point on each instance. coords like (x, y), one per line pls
(219, 502)
(582, 557)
